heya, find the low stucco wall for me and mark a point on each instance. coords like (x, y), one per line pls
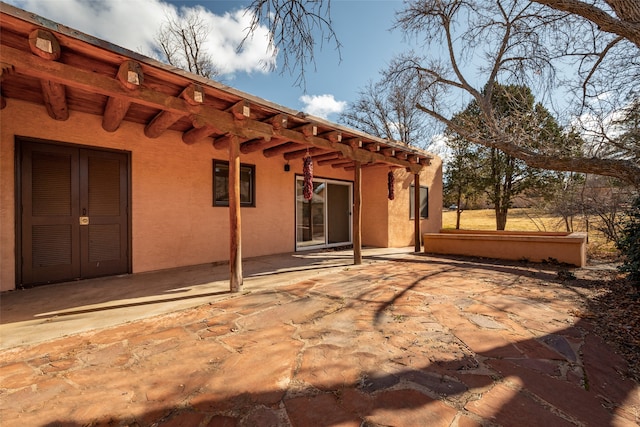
(568, 248)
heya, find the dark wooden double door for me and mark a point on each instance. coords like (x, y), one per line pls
(74, 221)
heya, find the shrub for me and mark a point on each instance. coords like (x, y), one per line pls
(629, 244)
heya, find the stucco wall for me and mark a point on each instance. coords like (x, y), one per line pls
(173, 220)
(401, 227)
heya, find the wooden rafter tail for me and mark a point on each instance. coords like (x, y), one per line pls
(222, 143)
(308, 130)
(201, 130)
(240, 110)
(298, 154)
(160, 123)
(334, 137)
(130, 76)
(55, 100)
(193, 94)
(279, 149)
(45, 45)
(354, 143)
(258, 144)
(277, 122)
(331, 161)
(372, 146)
(343, 164)
(326, 156)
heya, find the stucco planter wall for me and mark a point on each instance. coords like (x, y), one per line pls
(569, 248)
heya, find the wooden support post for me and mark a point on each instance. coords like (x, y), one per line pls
(416, 210)
(357, 211)
(235, 241)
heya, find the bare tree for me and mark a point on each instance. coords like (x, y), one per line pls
(514, 39)
(295, 27)
(387, 109)
(508, 42)
(181, 40)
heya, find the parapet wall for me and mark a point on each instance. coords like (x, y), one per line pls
(568, 248)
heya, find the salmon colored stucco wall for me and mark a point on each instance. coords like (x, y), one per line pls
(173, 220)
(387, 223)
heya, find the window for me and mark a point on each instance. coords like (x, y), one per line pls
(221, 184)
(424, 202)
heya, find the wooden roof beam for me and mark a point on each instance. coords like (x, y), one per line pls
(354, 143)
(88, 81)
(331, 161)
(201, 130)
(334, 137)
(372, 146)
(222, 143)
(33, 66)
(130, 76)
(326, 156)
(308, 130)
(298, 154)
(279, 121)
(342, 164)
(258, 144)
(240, 110)
(279, 149)
(45, 45)
(193, 94)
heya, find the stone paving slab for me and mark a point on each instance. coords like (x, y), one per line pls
(415, 342)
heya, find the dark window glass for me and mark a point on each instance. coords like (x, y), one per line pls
(424, 202)
(221, 184)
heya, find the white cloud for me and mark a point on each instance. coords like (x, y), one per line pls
(322, 105)
(133, 24)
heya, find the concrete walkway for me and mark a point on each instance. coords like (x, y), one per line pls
(403, 340)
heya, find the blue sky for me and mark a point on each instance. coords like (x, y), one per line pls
(363, 28)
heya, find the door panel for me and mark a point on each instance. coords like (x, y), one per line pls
(103, 199)
(49, 213)
(58, 185)
(338, 214)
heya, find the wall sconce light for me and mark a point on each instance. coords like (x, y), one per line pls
(287, 168)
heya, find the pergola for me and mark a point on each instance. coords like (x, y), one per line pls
(58, 67)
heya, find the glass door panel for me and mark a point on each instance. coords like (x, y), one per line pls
(310, 215)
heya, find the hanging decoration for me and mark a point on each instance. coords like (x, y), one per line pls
(391, 185)
(307, 169)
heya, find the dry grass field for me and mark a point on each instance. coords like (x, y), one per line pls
(530, 219)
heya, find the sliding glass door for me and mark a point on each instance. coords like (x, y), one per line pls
(325, 220)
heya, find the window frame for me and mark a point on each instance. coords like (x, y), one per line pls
(424, 211)
(252, 184)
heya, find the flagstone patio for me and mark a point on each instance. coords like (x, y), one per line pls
(410, 340)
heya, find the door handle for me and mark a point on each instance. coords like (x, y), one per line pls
(84, 220)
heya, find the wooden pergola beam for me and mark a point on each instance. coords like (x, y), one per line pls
(160, 123)
(343, 164)
(45, 45)
(326, 156)
(298, 154)
(279, 149)
(223, 121)
(332, 160)
(258, 144)
(192, 94)
(55, 100)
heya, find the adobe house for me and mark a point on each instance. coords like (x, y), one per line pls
(113, 163)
